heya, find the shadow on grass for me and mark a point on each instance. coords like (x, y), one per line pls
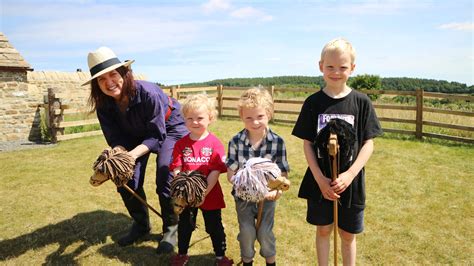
(87, 229)
(75, 235)
(139, 255)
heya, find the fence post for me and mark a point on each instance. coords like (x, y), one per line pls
(52, 118)
(272, 93)
(177, 92)
(220, 100)
(173, 91)
(419, 114)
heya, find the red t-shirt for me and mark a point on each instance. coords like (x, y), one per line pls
(204, 155)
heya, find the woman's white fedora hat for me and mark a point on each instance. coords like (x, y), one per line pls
(102, 61)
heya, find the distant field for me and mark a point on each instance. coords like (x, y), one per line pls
(387, 113)
(450, 119)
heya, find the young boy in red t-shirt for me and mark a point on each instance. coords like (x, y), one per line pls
(202, 151)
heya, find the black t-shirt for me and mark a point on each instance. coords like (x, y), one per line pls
(356, 108)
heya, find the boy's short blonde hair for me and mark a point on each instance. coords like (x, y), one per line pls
(256, 97)
(199, 102)
(340, 45)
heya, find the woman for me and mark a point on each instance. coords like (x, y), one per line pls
(139, 116)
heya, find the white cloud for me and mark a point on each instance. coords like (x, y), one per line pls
(378, 7)
(239, 13)
(142, 29)
(65, 10)
(216, 5)
(463, 26)
(273, 59)
(187, 45)
(137, 34)
(250, 13)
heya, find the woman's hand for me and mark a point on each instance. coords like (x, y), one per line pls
(139, 151)
(133, 155)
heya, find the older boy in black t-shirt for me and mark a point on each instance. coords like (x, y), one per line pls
(336, 100)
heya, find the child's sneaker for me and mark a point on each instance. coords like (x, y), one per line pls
(224, 261)
(179, 260)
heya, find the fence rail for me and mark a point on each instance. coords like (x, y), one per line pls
(286, 111)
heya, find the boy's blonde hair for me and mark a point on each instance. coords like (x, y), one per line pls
(256, 97)
(341, 45)
(199, 102)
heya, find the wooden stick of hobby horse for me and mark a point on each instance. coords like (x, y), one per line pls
(284, 186)
(141, 199)
(259, 214)
(333, 148)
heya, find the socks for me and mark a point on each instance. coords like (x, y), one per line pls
(251, 264)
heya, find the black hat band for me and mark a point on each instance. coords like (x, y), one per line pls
(99, 67)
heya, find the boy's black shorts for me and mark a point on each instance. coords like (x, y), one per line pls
(321, 213)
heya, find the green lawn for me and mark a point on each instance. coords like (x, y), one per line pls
(419, 208)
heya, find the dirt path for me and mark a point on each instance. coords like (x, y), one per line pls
(21, 145)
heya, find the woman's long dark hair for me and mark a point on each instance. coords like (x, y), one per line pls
(97, 98)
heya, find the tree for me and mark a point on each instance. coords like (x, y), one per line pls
(367, 82)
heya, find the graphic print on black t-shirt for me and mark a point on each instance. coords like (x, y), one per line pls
(323, 120)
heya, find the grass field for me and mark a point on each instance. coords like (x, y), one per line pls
(419, 208)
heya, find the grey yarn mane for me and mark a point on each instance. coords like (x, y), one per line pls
(250, 182)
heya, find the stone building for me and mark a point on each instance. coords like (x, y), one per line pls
(13, 66)
(23, 91)
(18, 100)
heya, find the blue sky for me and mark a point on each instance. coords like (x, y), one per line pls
(175, 42)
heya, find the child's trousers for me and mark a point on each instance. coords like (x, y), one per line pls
(247, 215)
(213, 224)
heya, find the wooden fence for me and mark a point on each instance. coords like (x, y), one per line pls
(286, 111)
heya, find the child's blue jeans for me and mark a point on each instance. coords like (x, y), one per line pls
(247, 214)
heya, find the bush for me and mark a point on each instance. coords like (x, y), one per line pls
(368, 82)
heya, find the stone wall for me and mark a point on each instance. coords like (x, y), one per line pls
(20, 101)
(19, 111)
(20, 76)
(69, 85)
